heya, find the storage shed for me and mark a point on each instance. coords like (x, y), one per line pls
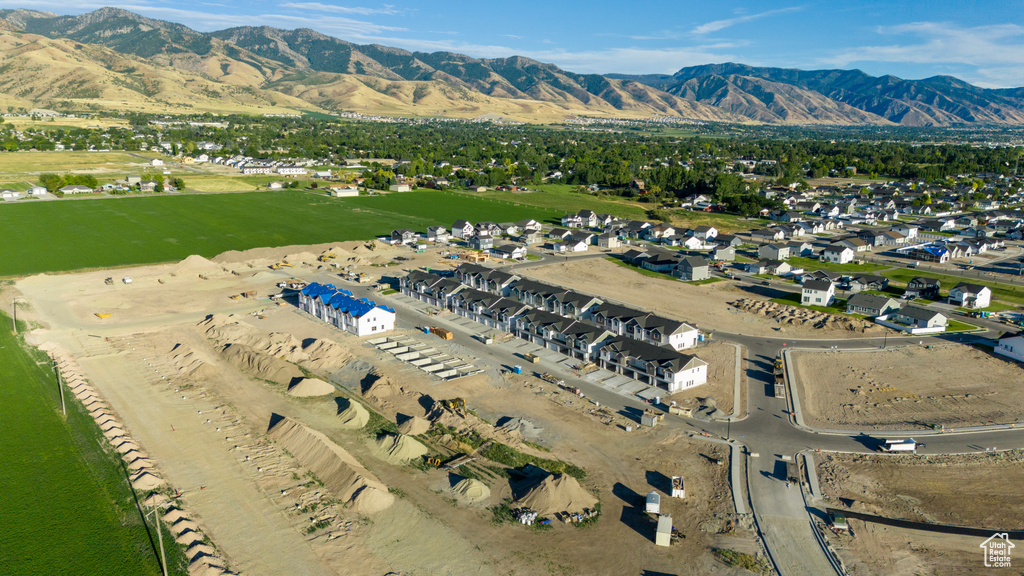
(663, 537)
(653, 503)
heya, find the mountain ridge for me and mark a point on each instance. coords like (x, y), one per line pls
(330, 73)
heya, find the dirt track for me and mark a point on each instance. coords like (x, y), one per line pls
(950, 385)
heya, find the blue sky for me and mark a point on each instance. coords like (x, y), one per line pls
(981, 41)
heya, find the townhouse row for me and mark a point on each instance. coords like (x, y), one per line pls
(636, 344)
(342, 309)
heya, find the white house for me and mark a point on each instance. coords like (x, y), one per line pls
(970, 295)
(918, 317)
(400, 188)
(509, 252)
(76, 189)
(818, 293)
(341, 309)
(36, 191)
(463, 229)
(837, 254)
(156, 162)
(1011, 346)
(345, 192)
(437, 234)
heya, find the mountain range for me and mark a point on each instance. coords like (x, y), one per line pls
(115, 59)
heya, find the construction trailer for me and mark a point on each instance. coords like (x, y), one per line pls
(677, 487)
(663, 535)
(650, 418)
(792, 472)
(908, 445)
(653, 503)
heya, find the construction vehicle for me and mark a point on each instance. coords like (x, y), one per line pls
(235, 296)
(249, 294)
(435, 462)
(908, 445)
(109, 281)
(551, 378)
(127, 279)
(102, 316)
(326, 257)
(278, 265)
(457, 405)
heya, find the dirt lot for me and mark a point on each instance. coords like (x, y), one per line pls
(705, 306)
(203, 421)
(721, 386)
(928, 488)
(876, 550)
(949, 385)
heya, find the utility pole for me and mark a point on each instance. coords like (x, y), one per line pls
(160, 540)
(60, 388)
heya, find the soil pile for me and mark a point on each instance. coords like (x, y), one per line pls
(326, 356)
(379, 387)
(414, 426)
(195, 265)
(261, 365)
(353, 416)
(311, 387)
(471, 490)
(336, 468)
(794, 315)
(319, 355)
(400, 448)
(557, 493)
(189, 364)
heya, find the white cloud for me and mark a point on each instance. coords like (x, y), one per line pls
(991, 56)
(361, 10)
(717, 25)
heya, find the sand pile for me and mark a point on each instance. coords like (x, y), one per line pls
(189, 364)
(311, 387)
(261, 365)
(377, 386)
(557, 493)
(353, 416)
(521, 426)
(400, 448)
(414, 426)
(798, 316)
(471, 490)
(195, 265)
(326, 356)
(337, 469)
(320, 355)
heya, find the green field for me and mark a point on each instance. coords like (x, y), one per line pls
(59, 235)
(67, 506)
(812, 264)
(1005, 292)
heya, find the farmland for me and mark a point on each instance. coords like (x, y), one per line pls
(139, 230)
(89, 523)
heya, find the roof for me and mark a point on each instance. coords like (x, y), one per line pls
(665, 357)
(693, 262)
(918, 313)
(342, 300)
(971, 288)
(874, 301)
(923, 281)
(823, 285)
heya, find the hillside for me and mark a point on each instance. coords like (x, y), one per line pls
(115, 58)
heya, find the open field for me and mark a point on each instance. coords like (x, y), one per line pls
(928, 488)
(939, 385)
(967, 490)
(258, 512)
(68, 508)
(122, 231)
(15, 164)
(877, 550)
(22, 122)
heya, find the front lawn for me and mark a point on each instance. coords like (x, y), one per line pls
(812, 264)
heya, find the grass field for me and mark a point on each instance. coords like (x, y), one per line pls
(54, 236)
(14, 164)
(67, 507)
(812, 264)
(1005, 292)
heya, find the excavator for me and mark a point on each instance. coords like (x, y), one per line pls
(326, 257)
(457, 405)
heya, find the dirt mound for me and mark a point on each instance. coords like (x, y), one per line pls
(196, 264)
(414, 426)
(354, 415)
(400, 448)
(319, 355)
(380, 387)
(337, 469)
(557, 493)
(261, 365)
(471, 490)
(311, 387)
(189, 364)
(795, 315)
(325, 355)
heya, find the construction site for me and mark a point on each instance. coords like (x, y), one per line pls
(287, 445)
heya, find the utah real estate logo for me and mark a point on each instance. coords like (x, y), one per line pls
(997, 550)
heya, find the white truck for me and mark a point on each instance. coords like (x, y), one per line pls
(908, 445)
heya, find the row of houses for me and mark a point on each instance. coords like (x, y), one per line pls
(343, 310)
(637, 344)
